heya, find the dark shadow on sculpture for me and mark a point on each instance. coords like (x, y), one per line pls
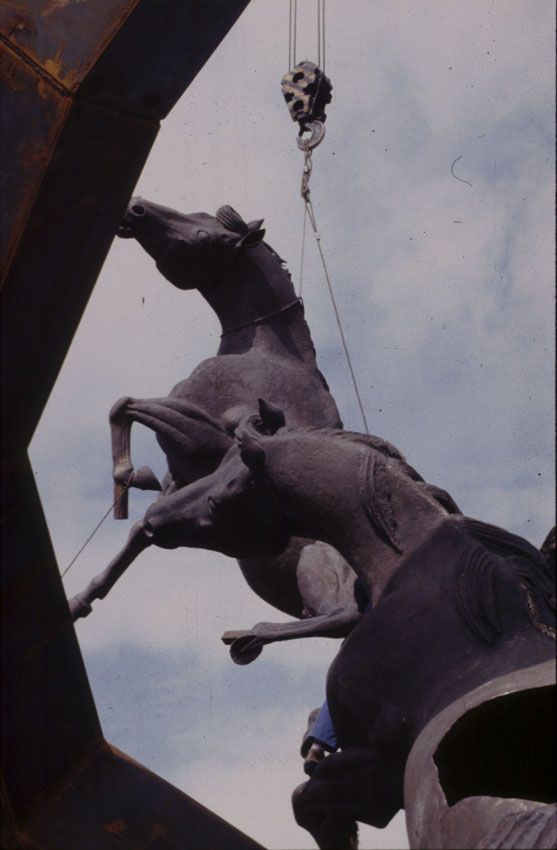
(266, 348)
(456, 602)
(502, 748)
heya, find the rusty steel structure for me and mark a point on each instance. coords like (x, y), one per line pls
(85, 85)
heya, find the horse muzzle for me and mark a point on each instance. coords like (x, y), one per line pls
(128, 227)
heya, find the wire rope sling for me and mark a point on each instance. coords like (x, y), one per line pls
(307, 91)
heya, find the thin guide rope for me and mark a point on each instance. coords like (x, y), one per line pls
(96, 528)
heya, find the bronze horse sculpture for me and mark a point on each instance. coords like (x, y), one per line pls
(456, 602)
(266, 348)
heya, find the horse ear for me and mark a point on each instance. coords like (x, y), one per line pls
(231, 219)
(272, 418)
(252, 237)
(252, 453)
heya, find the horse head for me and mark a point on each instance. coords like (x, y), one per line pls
(229, 511)
(191, 251)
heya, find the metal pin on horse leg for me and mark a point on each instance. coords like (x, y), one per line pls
(120, 500)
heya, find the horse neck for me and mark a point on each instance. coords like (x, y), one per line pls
(257, 307)
(374, 561)
(366, 506)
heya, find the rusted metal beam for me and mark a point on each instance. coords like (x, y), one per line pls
(85, 86)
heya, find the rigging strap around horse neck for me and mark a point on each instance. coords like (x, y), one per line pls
(298, 301)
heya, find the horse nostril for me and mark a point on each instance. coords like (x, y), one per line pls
(212, 504)
(137, 209)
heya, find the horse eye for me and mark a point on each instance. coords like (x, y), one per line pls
(203, 236)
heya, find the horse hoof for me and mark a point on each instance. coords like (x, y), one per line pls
(118, 409)
(246, 649)
(78, 608)
(144, 479)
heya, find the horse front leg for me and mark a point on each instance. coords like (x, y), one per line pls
(184, 429)
(80, 605)
(325, 582)
(121, 417)
(122, 467)
(246, 646)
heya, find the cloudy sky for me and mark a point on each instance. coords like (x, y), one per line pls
(445, 289)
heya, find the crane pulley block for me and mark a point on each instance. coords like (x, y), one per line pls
(307, 92)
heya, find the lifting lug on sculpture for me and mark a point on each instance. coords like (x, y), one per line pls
(307, 92)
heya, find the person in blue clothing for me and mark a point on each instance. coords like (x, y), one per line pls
(321, 736)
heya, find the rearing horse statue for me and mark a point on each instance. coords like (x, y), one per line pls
(456, 603)
(266, 349)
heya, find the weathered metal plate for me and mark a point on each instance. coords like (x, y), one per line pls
(63, 37)
(32, 116)
(181, 35)
(130, 808)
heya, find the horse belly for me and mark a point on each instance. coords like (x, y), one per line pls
(237, 381)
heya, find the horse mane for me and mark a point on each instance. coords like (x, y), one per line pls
(500, 549)
(378, 444)
(374, 494)
(368, 440)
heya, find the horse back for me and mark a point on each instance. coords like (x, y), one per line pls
(235, 382)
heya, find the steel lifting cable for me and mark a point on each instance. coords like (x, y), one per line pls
(292, 25)
(301, 277)
(293, 28)
(321, 33)
(307, 147)
(309, 212)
